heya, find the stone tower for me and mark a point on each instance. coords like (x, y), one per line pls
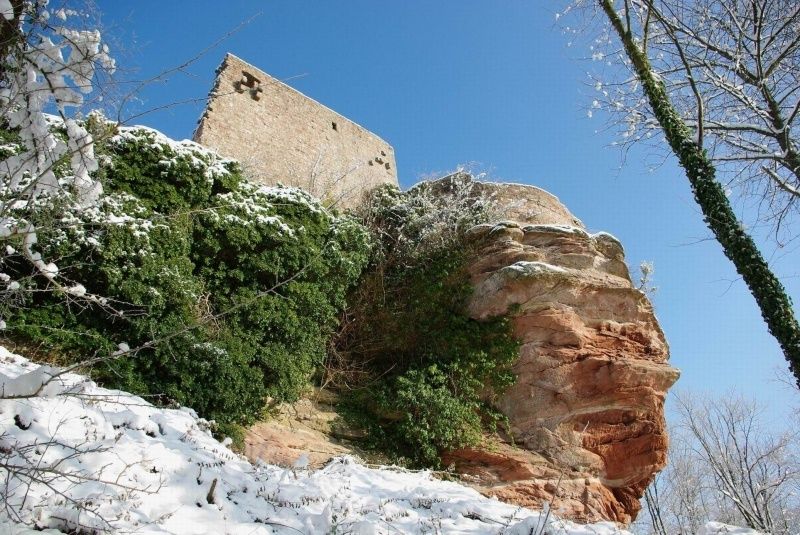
(281, 136)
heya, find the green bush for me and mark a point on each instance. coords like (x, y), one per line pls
(433, 370)
(230, 290)
(433, 417)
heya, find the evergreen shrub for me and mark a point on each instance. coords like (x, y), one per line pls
(432, 372)
(227, 292)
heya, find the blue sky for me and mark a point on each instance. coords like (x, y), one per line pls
(460, 81)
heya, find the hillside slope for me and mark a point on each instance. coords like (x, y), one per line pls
(84, 458)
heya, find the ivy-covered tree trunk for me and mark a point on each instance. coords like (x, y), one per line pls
(739, 247)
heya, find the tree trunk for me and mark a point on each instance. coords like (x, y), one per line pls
(739, 247)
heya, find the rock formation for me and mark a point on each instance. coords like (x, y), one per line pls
(586, 411)
(309, 430)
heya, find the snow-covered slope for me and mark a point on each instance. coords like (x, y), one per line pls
(85, 457)
(718, 528)
(78, 457)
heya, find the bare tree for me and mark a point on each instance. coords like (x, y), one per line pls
(749, 467)
(725, 466)
(732, 71)
(694, 64)
(45, 64)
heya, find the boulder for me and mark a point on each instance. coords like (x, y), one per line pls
(587, 430)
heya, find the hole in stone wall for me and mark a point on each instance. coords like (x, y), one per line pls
(335, 126)
(249, 80)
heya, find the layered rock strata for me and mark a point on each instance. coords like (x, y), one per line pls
(308, 432)
(587, 409)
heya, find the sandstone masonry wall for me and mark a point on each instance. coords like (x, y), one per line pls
(282, 136)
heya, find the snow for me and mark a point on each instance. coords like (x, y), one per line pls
(50, 67)
(198, 156)
(525, 268)
(717, 528)
(6, 9)
(109, 461)
(606, 236)
(41, 381)
(9, 528)
(79, 290)
(557, 229)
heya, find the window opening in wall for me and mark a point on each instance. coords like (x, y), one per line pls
(335, 126)
(250, 83)
(247, 81)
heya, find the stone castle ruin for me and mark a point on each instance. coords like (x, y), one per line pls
(281, 136)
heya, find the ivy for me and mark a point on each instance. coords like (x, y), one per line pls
(433, 371)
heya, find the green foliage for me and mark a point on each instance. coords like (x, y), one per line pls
(229, 291)
(10, 142)
(434, 371)
(165, 175)
(432, 416)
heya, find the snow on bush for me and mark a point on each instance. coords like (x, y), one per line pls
(46, 65)
(718, 528)
(224, 291)
(84, 458)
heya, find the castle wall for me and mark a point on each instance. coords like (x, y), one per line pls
(282, 136)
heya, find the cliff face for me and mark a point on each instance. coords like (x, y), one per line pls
(587, 409)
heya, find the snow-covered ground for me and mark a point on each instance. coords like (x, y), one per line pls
(78, 457)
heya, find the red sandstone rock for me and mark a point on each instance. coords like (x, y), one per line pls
(309, 428)
(587, 409)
